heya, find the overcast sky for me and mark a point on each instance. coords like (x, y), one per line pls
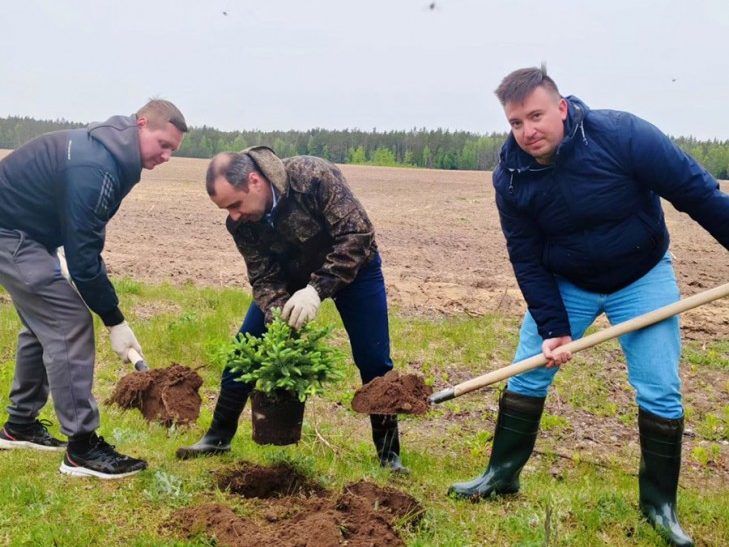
(385, 64)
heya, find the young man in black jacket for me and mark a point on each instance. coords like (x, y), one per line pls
(61, 189)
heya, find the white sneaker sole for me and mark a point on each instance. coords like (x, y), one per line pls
(85, 472)
(11, 445)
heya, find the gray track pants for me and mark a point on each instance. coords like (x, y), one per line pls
(56, 348)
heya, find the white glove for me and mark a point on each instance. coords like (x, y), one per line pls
(122, 340)
(301, 307)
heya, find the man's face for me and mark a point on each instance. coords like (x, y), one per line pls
(156, 145)
(247, 204)
(538, 123)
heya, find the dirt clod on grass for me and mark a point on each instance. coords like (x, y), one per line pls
(165, 395)
(399, 505)
(393, 393)
(363, 514)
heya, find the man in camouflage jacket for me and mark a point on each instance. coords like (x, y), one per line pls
(304, 237)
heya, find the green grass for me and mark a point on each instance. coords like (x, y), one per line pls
(566, 498)
(714, 354)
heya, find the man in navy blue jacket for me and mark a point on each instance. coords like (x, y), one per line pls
(578, 194)
(60, 190)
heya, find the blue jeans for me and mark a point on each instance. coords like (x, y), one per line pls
(362, 306)
(652, 353)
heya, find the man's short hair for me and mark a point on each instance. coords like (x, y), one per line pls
(234, 166)
(160, 111)
(518, 85)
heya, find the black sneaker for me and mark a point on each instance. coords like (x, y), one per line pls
(100, 460)
(33, 435)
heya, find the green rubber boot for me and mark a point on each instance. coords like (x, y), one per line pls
(516, 432)
(660, 465)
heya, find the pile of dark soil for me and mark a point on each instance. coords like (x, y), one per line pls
(166, 395)
(216, 521)
(398, 504)
(363, 514)
(393, 393)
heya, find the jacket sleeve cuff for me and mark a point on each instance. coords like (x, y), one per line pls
(554, 332)
(314, 285)
(113, 317)
(322, 289)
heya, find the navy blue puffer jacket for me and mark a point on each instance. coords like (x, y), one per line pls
(594, 216)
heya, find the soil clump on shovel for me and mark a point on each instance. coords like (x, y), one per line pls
(393, 393)
(165, 395)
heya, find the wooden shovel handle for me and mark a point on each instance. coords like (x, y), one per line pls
(137, 360)
(583, 343)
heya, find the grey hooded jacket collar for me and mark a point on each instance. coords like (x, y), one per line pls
(120, 136)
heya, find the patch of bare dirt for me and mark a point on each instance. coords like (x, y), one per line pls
(216, 521)
(393, 393)
(363, 514)
(165, 395)
(398, 504)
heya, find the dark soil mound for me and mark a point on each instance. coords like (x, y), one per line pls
(364, 514)
(393, 393)
(253, 481)
(346, 520)
(401, 506)
(166, 395)
(216, 521)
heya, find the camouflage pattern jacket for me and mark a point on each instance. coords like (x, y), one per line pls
(318, 233)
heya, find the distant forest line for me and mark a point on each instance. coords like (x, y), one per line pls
(435, 149)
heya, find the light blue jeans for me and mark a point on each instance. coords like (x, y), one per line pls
(652, 354)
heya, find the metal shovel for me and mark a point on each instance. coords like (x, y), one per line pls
(583, 343)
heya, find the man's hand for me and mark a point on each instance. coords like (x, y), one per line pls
(554, 356)
(301, 307)
(122, 340)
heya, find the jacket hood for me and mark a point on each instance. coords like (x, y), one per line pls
(513, 158)
(120, 136)
(270, 165)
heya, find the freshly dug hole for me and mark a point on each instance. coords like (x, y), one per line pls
(363, 514)
(254, 481)
(165, 395)
(393, 393)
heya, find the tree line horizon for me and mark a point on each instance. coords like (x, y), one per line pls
(426, 148)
